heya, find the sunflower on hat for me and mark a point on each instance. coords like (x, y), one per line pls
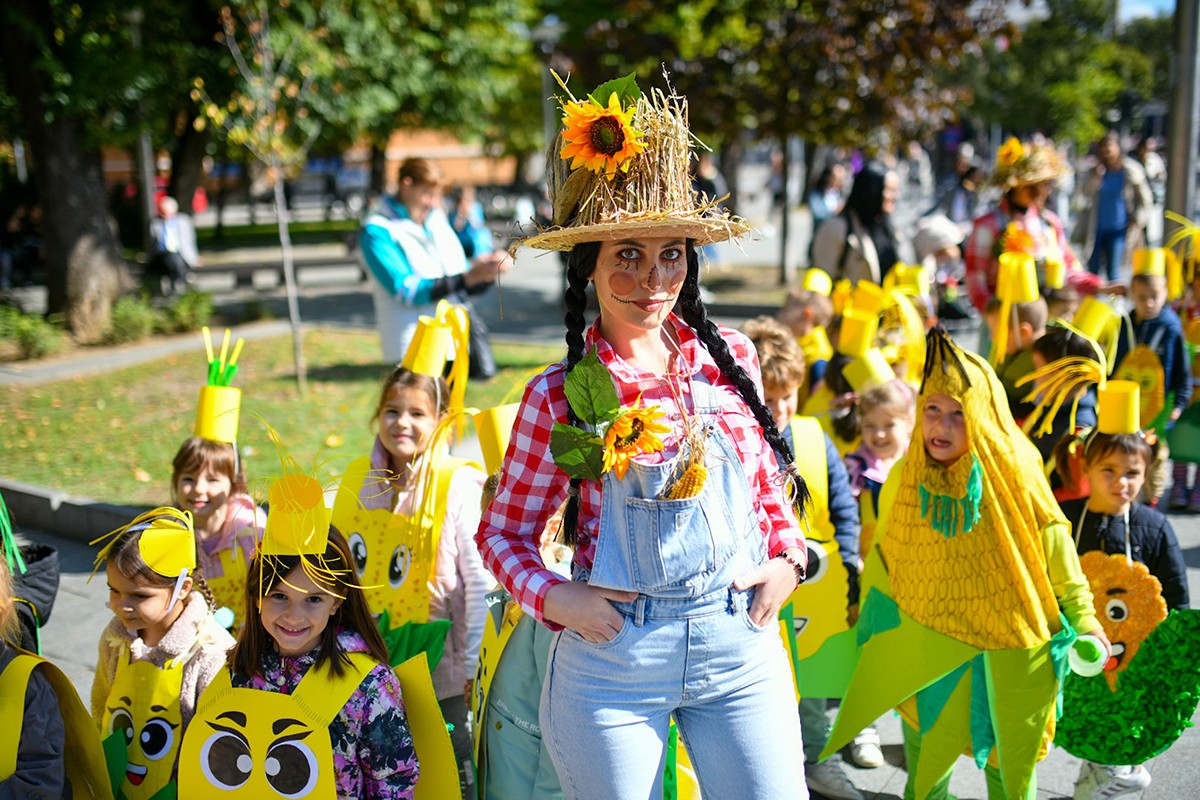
(1019, 164)
(600, 138)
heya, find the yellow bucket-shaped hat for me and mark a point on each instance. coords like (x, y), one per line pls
(494, 428)
(1056, 274)
(857, 334)
(1017, 282)
(439, 339)
(869, 370)
(1118, 407)
(817, 280)
(908, 278)
(867, 297)
(219, 407)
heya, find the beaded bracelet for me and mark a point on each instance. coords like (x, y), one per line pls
(796, 565)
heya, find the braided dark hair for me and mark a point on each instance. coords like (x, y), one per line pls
(200, 585)
(580, 264)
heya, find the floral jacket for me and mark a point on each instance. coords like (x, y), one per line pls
(373, 752)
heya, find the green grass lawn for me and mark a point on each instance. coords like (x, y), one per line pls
(267, 234)
(112, 437)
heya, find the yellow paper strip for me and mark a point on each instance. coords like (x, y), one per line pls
(208, 344)
(224, 348)
(237, 351)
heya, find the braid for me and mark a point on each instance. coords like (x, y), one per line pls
(580, 264)
(692, 309)
(200, 585)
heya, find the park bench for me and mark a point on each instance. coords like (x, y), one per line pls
(243, 272)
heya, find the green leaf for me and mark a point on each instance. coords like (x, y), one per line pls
(626, 88)
(576, 452)
(590, 391)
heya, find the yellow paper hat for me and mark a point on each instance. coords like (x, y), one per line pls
(1056, 274)
(1016, 282)
(438, 339)
(868, 371)
(1118, 407)
(219, 407)
(909, 278)
(167, 544)
(857, 334)
(817, 280)
(494, 427)
(1150, 261)
(867, 298)
(841, 295)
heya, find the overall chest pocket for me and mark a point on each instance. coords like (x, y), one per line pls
(676, 543)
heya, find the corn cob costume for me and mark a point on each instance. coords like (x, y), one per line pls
(972, 595)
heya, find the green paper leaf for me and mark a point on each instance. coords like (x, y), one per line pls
(589, 389)
(626, 88)
(577, 453)
(405, 641)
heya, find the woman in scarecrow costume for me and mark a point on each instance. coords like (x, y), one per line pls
(654, 431)
(972, 591)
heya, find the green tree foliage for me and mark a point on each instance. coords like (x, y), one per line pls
(1062, 75)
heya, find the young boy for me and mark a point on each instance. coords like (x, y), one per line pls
(1155, 359)
(782, 373)
(1030, 326)
(1111, 521)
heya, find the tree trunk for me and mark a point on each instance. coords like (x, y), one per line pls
(731, 166)
(378, 170)
(289, 278)
(187, 165)
(84, 269)
(785, 269)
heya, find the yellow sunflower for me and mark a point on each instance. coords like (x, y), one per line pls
(601, 139)
(635, 431)
(1010, 152)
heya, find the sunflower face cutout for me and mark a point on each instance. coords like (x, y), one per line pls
(386, 549)
(246, 743)
(142, 715)
(1129, 605)
(1143, 367)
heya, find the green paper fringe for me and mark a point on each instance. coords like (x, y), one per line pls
(1156, 696)
(407, 640)
(951, 516)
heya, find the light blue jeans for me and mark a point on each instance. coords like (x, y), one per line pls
(687, 647)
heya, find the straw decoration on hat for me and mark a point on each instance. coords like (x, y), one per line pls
(1020, 164)
(621, 168)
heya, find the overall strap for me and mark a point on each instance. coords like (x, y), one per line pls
(812, 461)
(321, 694)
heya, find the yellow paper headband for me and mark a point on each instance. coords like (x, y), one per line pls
(817, 280)
(167, 544)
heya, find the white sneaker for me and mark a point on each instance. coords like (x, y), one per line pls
(828, 779)
(1101, 782)
(865, 750)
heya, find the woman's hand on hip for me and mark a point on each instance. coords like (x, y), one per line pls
(775, 582)
(587, 610)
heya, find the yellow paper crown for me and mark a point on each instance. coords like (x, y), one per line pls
(867, 298)
(297, 519)
(857, 334)
(494, 428)
(1118, 407)
(438, 339)
(167, 544)
(1150, 261)
(1096, 320)
(1056, 274)
(219, 406)
(869, 370)
(817, 280)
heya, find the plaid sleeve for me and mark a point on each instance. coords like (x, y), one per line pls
(531, 488)
(977, 259)
(775, 515)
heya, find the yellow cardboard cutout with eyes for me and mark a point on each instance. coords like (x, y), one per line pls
(393, 553)
(143, 708)
(256, 744)
(1129, 605)
(229, 588)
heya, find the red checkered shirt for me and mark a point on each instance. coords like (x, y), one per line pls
(532, 486)
(979, 255)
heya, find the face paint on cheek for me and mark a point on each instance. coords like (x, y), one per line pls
(622, 284)
(673, 278)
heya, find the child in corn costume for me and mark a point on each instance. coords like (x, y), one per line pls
(410, 511)
(972, 592)
(159, 653)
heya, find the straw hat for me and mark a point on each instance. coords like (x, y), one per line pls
(1020, 164)
(620, 168)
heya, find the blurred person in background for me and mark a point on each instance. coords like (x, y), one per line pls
(861, 243)
(1119, 204)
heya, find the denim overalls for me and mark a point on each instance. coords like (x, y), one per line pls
(687, 646)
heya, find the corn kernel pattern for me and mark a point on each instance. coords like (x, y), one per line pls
(690, 483)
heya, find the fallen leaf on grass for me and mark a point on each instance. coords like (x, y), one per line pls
(141, 475)
(333, 440)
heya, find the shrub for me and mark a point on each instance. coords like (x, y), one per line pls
(133, 319)
(255, 309)
(37, 337)
(9, 319)
(191, 311)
